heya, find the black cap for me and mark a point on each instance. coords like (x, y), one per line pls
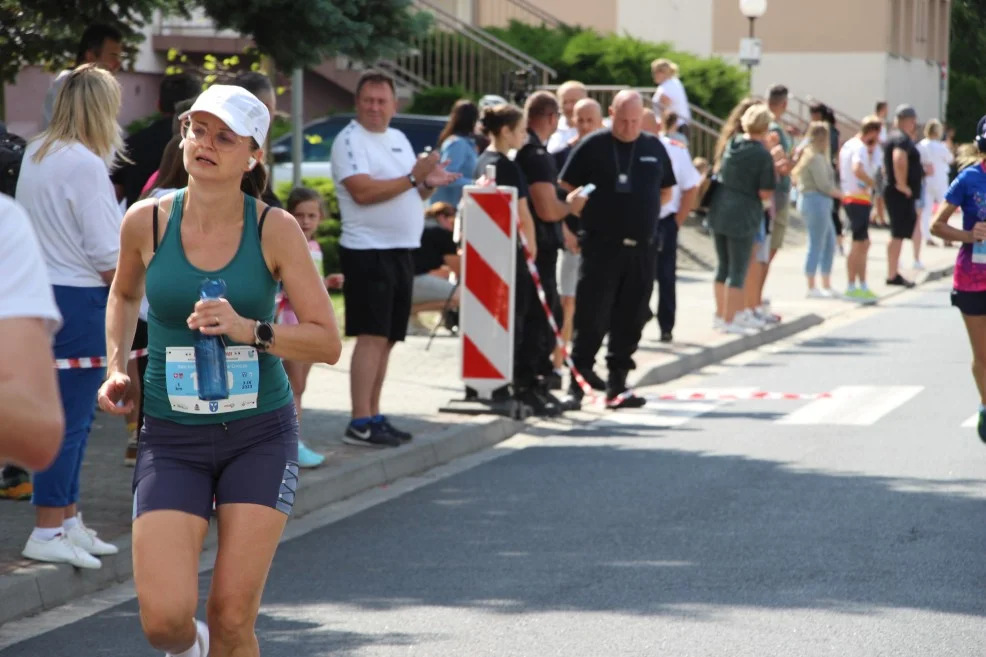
(981, 127)
(906, 111)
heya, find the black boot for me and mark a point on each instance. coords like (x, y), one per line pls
(617, 393)
(541, 405)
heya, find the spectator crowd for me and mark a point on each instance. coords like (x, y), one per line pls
(603, 193)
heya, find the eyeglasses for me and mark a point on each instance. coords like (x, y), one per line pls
(223, 140)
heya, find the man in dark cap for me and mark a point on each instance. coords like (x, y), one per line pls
(903, 172)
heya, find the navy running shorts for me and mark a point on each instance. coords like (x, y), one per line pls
(972, 304)
(181, 467)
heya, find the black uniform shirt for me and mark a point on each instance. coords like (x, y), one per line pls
(561, 158)
(915, 171)
(539, 166)
(601, 159)
(436, 243)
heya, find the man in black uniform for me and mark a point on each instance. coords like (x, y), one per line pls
(904, 173)
(633, 177)
(541, 173)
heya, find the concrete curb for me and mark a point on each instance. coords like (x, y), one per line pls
(691, 362)
(41, 587)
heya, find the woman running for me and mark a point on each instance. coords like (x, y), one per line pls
(243, 450)
(968, 192)
(305, 205)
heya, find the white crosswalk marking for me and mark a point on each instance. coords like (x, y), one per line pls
(971, 422)
(661, 414)
(853, 405)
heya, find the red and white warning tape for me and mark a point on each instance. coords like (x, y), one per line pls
(90, 363)
(687, 395)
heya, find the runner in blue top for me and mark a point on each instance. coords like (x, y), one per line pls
(968, 192)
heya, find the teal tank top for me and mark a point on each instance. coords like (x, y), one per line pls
(172, 288)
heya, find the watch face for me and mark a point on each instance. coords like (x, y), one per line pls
(265, 332)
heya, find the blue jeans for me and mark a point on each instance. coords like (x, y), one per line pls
(816, 208)
(83, 334)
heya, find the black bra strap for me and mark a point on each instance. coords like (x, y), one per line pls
(260, 225)
(154, 224)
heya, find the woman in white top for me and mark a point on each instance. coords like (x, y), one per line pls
(939, 158)
(64, 185)
(670, 94)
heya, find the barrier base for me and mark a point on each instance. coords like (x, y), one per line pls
(507, 408)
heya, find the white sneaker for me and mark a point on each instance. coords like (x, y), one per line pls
(86, 538)
(718, 323)
(828, 293)
(201, 639)
(918, 266)
(60, 550)
(747, 319)
(764, 315)
(736, 329)
(815, 293)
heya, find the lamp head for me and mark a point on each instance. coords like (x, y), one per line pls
(753, 8)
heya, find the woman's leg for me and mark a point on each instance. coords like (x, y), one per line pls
(739, 251)
(722, 273)
(917, 241)
(816, 222)
(166, 548)
(298, 378)
(248, 538)
(975, 325)
(827, 255)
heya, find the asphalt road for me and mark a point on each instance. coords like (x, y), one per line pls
(850, 525)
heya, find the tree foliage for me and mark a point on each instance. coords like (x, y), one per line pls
(967, 59)
(47, 32)
(301, 33)
(583, 54)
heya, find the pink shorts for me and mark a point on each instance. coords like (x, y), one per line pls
(285, 313)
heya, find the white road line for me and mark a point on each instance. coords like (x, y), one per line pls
(853, 405)
(661, 414)
(971, 422)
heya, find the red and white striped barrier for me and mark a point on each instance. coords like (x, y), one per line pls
(89, 363)
(486, 308)
(756, 395)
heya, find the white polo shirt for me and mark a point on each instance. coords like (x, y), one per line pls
(685, 173)
(74, 212)
(393, 224)
(24, 287)
(564, 134)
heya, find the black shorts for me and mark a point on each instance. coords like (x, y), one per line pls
(859, 220)
(377, 290)
(970, 303)
(903, 214)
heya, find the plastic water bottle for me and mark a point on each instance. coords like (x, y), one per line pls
(210, 351)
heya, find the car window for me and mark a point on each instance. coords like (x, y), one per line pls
(318, 140)
(420, 136)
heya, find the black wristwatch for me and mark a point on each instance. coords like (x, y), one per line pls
(414, 181)
(263, 336)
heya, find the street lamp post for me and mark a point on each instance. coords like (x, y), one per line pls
(750, 48)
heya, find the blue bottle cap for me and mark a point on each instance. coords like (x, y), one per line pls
(212, 288)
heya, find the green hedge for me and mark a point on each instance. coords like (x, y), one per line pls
(328, 232)
(585, 55)
(437, 101)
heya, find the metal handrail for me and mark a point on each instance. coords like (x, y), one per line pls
(544, 16)
(486, 39)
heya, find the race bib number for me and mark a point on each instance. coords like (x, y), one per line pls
(979, 253)
(242, 376)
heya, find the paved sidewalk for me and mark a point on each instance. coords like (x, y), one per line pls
(418, 384)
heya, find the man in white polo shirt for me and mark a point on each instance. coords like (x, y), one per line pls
(673, 215)
(380, 186)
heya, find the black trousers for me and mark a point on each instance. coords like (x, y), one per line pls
(666, 272)
(533, 338)
(613, 297)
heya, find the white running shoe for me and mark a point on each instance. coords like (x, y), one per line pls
(764, 315)
(86, 538)
(736, 329)
(201, 639)
(918, 266)
(815, 293)
(60, 550)
(748, 320)
(718, 323)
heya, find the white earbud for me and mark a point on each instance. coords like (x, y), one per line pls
(252, 163)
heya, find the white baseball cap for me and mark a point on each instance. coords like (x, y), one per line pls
(236, 107)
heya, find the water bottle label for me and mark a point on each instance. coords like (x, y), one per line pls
(242, 374)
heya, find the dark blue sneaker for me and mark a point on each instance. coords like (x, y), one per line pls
(403, 436)
(372, 434)
(981, 425)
